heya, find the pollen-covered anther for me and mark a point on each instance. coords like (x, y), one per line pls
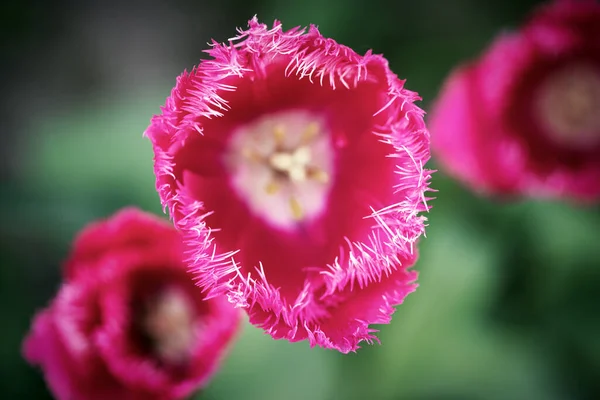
(252, 155)
(312, 129)
(287, 157)
(272, 187)
(569, 105)
(279, 134)
(296, 208)
(170, 325)
(318, 175)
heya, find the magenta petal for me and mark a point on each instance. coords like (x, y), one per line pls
(294, 168)
(128, 322)
(522, 118)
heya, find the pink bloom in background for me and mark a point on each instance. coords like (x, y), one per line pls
(128, 322)
(294, 168)
(524, 118)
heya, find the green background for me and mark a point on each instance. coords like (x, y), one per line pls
(509, 293)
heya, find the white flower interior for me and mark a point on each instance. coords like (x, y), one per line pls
(170, 324)
(568, 105)
(282, 165)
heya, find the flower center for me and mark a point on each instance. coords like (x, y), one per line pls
(569, 106)
(281, 165)
(170, 324)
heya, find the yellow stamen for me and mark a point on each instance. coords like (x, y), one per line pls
(279, 134)
(318, 175)
(310, 132)
(251, 155)
(272, 187)
(296, 208)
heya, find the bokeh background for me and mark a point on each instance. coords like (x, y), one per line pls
(510, 292)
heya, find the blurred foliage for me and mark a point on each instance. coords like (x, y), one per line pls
(509, 292)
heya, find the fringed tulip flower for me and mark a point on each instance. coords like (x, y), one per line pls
(524, 118)
(128, 322)
(294, 168)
